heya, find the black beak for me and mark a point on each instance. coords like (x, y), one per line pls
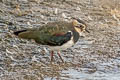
(87, 30)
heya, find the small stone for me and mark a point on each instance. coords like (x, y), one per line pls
(56, 11)
(46, 51)
(9, 51)
(89, 17)
(28, 23)
(63, 15)
(42, 16)
(25, 1)
(34, 58)
(78, 8)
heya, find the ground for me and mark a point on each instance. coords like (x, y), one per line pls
(94, 57)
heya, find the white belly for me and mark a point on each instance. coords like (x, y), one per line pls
(63, 47)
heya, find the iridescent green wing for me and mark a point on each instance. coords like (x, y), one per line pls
(51, 34)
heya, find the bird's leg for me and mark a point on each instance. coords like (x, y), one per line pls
(52, 55)
(60, 56)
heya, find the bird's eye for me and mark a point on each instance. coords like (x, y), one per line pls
(79, 26)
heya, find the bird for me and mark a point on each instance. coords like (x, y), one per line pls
(58, 35)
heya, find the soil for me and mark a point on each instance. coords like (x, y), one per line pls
(94, 57)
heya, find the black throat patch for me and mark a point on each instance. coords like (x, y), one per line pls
(75, 36)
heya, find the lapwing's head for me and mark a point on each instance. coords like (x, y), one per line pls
(79, 26)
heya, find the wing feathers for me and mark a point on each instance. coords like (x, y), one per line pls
(49, 34)
(59, 40)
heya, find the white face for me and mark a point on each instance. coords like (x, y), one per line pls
(79, 26)
(78, 30)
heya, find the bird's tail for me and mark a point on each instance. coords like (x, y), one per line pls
(18, 32)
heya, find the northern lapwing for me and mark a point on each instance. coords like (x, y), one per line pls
(57, 35)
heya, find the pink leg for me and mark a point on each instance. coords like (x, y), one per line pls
(60, 57)
(52, 55)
